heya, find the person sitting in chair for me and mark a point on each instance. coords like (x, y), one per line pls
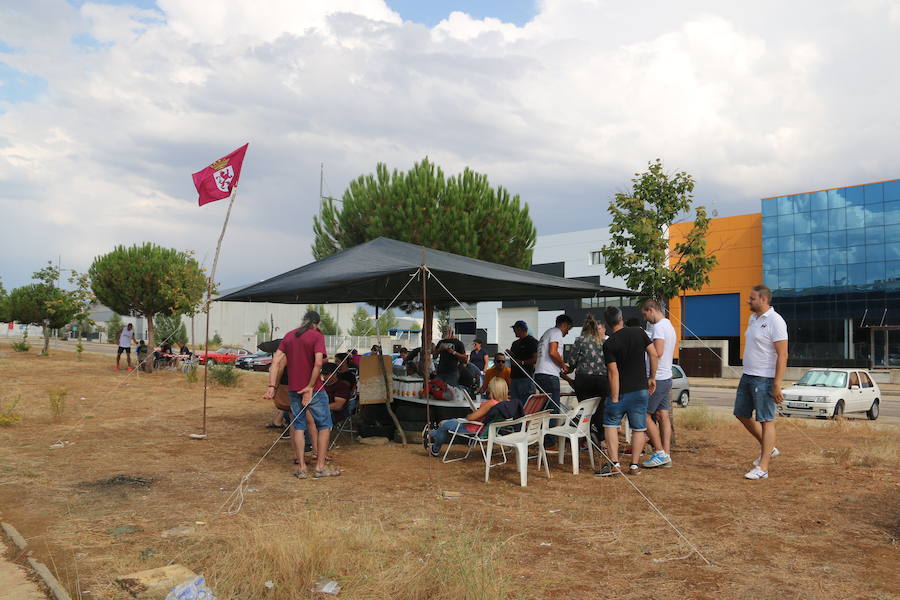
(498, 392)
(339, 393)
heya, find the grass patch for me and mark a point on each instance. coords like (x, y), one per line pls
(22, 346)
(57, 399)
(191, 375)
(8, 413)
(224, 375)
(697, 417)
(367, 557)
(79, 349)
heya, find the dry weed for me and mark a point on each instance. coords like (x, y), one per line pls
(367, 558)
(698, 417)
(8, 413)
(57, 399)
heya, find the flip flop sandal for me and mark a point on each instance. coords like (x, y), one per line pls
(326, 472)
(301, 474)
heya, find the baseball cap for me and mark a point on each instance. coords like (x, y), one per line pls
(521, 325)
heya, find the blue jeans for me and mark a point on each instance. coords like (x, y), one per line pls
(520, 389)
(550, 385)
(754, 393)
(441, 435)
(451, 378)
(634, 404)
(318, 408)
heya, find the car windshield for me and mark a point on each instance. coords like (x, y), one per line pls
(835, 379)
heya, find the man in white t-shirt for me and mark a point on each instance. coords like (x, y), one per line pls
(659, 425)
(765, 360)
(126, 339)
(550, 362)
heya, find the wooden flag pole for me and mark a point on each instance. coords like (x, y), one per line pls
(209, 287)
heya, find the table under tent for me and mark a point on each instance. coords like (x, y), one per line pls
(386, 273)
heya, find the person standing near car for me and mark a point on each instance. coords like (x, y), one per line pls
(659, 425)
(126, 339)
(759, 390)
(302, 351)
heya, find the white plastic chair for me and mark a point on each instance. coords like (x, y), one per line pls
(580, 414)
(528, 430)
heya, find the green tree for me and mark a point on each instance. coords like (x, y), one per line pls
(424, 207)
(639, 249)
(387, 321)
(328, 325)
(443, 319)
(114, 328)
(148, 280)
(4, 311)
(262, 332)
(361, 323)
(48, 306)
(170, 327)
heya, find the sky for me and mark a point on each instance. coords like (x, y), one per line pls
(106, 108)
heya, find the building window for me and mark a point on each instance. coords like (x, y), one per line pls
(596, 258)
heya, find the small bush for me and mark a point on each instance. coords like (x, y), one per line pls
(23, 345)
(191, 375)
(224, 375)
(79, 348)
(8, 413)
(697, 417)
(57, 402)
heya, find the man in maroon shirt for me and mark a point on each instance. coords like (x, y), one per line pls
(303, 351)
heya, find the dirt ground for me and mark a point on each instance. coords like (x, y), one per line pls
(825, 525)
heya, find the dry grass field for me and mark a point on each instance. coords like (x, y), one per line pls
(825, 525)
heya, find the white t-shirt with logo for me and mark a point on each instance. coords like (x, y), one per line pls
(759, 343)
(663, 330)
(126, 337)
(545, 364)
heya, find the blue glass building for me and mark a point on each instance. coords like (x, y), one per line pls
(832, 259)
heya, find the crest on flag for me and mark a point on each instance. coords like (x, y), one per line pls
(223, 178)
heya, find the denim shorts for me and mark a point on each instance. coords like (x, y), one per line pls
(754, 393)
(318, 408)
(634, 404)
(660, 398)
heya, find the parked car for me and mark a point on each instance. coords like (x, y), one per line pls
(224, 355)
(830, 393)
(262, 363)
(681, 387)
(246, 362)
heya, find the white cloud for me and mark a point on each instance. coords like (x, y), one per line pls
(562, 110)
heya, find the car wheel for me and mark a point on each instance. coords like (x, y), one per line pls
(872, 413)
(684, 398)
(838, 410)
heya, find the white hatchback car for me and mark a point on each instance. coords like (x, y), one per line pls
(830, 393)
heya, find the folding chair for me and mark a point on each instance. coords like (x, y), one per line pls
(531, 431)
(346, 424)
(478, 437)
(535, 403)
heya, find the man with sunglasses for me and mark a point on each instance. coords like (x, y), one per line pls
(499, 369)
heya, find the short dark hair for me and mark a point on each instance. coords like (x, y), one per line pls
(564, 318)
(613, 316)
(329, 368)
(764, 291)
(499, 354)
(477, 341)
(651, 303)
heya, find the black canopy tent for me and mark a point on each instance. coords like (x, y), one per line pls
(378, 272)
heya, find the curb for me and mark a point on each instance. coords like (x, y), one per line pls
(58, 591)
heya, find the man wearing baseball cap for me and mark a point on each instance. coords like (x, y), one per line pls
(523, 356)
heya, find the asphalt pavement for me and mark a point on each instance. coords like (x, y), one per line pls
(724, 397)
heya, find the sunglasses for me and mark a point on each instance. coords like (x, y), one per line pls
(500, 361)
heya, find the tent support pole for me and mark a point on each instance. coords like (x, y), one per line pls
(425, 352)
(387, 387)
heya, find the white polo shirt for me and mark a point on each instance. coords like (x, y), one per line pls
(663, 330)
(759, 343)
(545, 364)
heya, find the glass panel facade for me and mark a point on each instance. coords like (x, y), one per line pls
(833, 260)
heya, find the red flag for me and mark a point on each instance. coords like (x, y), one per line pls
(218, 179)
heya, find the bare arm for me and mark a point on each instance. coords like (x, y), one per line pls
(781, 349)
(337, 404)
(613, 374)
(479, 413)
(275, 370)
(553, 351)
(654, 362)
(313, 379)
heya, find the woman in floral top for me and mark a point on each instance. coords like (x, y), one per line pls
(589, 368)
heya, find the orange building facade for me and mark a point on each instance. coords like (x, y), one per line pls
(719, 309)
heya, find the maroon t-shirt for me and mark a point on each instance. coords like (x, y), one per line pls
(301, 357)
(338, 388)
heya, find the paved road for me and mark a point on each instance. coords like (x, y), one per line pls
(711, 396)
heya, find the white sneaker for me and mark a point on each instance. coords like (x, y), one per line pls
(756, 473)
(775, 452)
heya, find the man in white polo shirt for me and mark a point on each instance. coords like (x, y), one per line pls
(765, 359)
(660, 430)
